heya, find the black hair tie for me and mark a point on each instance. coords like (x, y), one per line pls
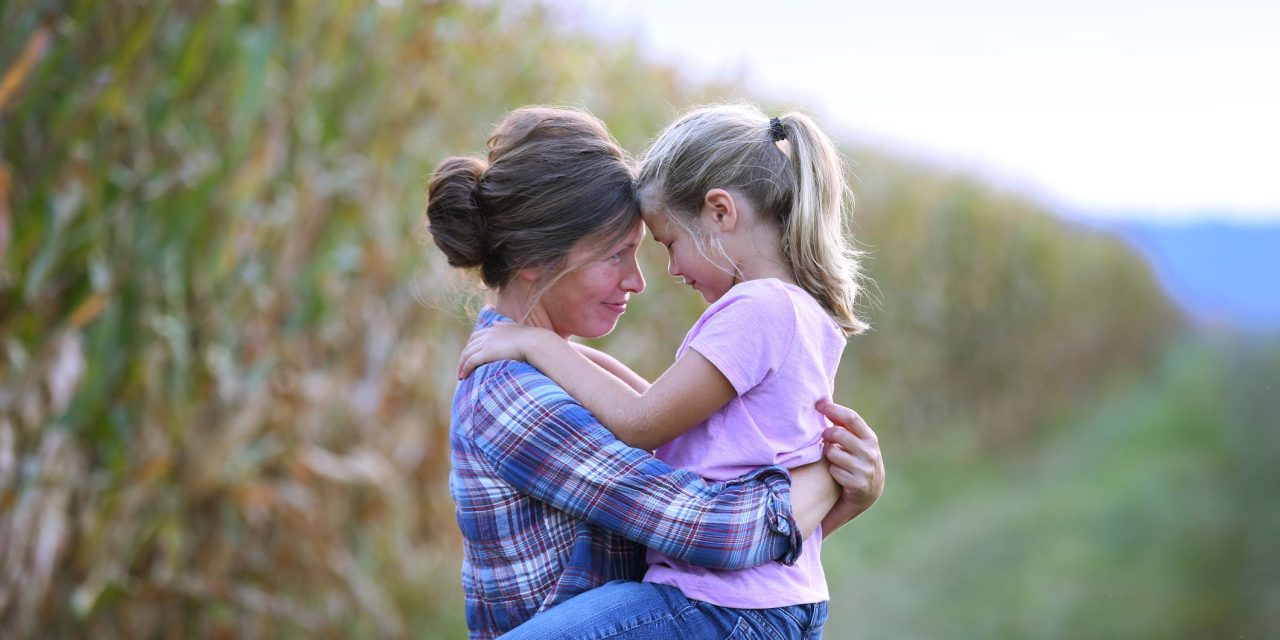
(776, 131)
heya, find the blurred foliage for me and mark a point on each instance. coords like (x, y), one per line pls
(226, 355)
(990, 314)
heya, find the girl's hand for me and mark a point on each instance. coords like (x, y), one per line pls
(502, 341)
(853, 450)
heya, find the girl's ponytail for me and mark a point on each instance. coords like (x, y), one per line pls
(815, 230)
(788, 168)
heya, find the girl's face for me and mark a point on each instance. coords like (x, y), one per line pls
(588, 300)
(689, 260)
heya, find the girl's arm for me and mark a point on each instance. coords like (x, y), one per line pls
(686, 394)
(612, 365)
(528, 430)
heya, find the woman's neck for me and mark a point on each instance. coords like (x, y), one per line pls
(512, 303)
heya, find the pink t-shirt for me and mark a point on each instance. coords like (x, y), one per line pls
(779, 349)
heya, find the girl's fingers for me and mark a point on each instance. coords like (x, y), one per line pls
(466, 360)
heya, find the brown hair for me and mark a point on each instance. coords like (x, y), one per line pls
(554, 176)
(789, 170)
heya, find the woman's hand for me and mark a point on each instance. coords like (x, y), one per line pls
(853, 451)
(502, 341)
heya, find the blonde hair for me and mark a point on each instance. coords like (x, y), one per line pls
(792, 175)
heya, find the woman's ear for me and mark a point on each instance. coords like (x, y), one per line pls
(720, 210)
(530, 274)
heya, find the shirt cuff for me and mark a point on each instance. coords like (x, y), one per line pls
(778, 511)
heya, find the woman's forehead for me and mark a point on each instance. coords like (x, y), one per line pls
(608, 242)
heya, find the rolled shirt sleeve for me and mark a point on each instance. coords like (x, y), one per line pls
(550, 447)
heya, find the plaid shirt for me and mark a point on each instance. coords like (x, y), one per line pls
(551, 504)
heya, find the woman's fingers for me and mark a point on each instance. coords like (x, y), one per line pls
(847, 418)
(844, 459)
(853, 450)
(858, 483)
(842, 437)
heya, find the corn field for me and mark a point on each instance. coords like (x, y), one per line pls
(227, 348)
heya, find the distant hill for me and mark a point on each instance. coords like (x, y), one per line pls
(1221, 273)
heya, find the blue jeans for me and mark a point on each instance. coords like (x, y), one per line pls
(625, 610)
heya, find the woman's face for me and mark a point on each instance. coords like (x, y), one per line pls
(589, 299)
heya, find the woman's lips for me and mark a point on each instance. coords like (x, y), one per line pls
(617, 307)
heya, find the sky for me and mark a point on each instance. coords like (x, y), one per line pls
(1134, 109)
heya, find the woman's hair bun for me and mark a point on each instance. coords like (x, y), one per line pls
(455, 213)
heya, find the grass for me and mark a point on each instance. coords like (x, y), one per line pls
(1147, 515)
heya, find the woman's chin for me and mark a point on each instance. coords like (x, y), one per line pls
(599, 329)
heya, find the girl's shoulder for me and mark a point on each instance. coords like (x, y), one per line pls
(761, 291)
(765, 299)
(772, 292)
(780, 300)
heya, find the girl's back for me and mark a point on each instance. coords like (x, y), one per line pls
(779, 349)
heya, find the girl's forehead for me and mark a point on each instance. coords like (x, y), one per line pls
(656, 222)
(654, 216)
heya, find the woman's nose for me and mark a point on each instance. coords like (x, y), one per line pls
(633, 281)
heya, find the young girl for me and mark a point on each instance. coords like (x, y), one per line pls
(751, 211)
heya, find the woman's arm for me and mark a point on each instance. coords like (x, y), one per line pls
(853, 451)
(846, 483)
(686, 394)
(813, 495)
(549, 447)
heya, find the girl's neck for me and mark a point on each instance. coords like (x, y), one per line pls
(758, 255)
(766, 270)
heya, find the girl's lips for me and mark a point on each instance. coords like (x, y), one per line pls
(619, 308)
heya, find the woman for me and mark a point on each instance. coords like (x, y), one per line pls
(550, 504)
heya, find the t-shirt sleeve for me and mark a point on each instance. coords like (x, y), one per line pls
(747, 335)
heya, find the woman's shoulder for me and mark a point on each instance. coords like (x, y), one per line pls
(513, 382)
